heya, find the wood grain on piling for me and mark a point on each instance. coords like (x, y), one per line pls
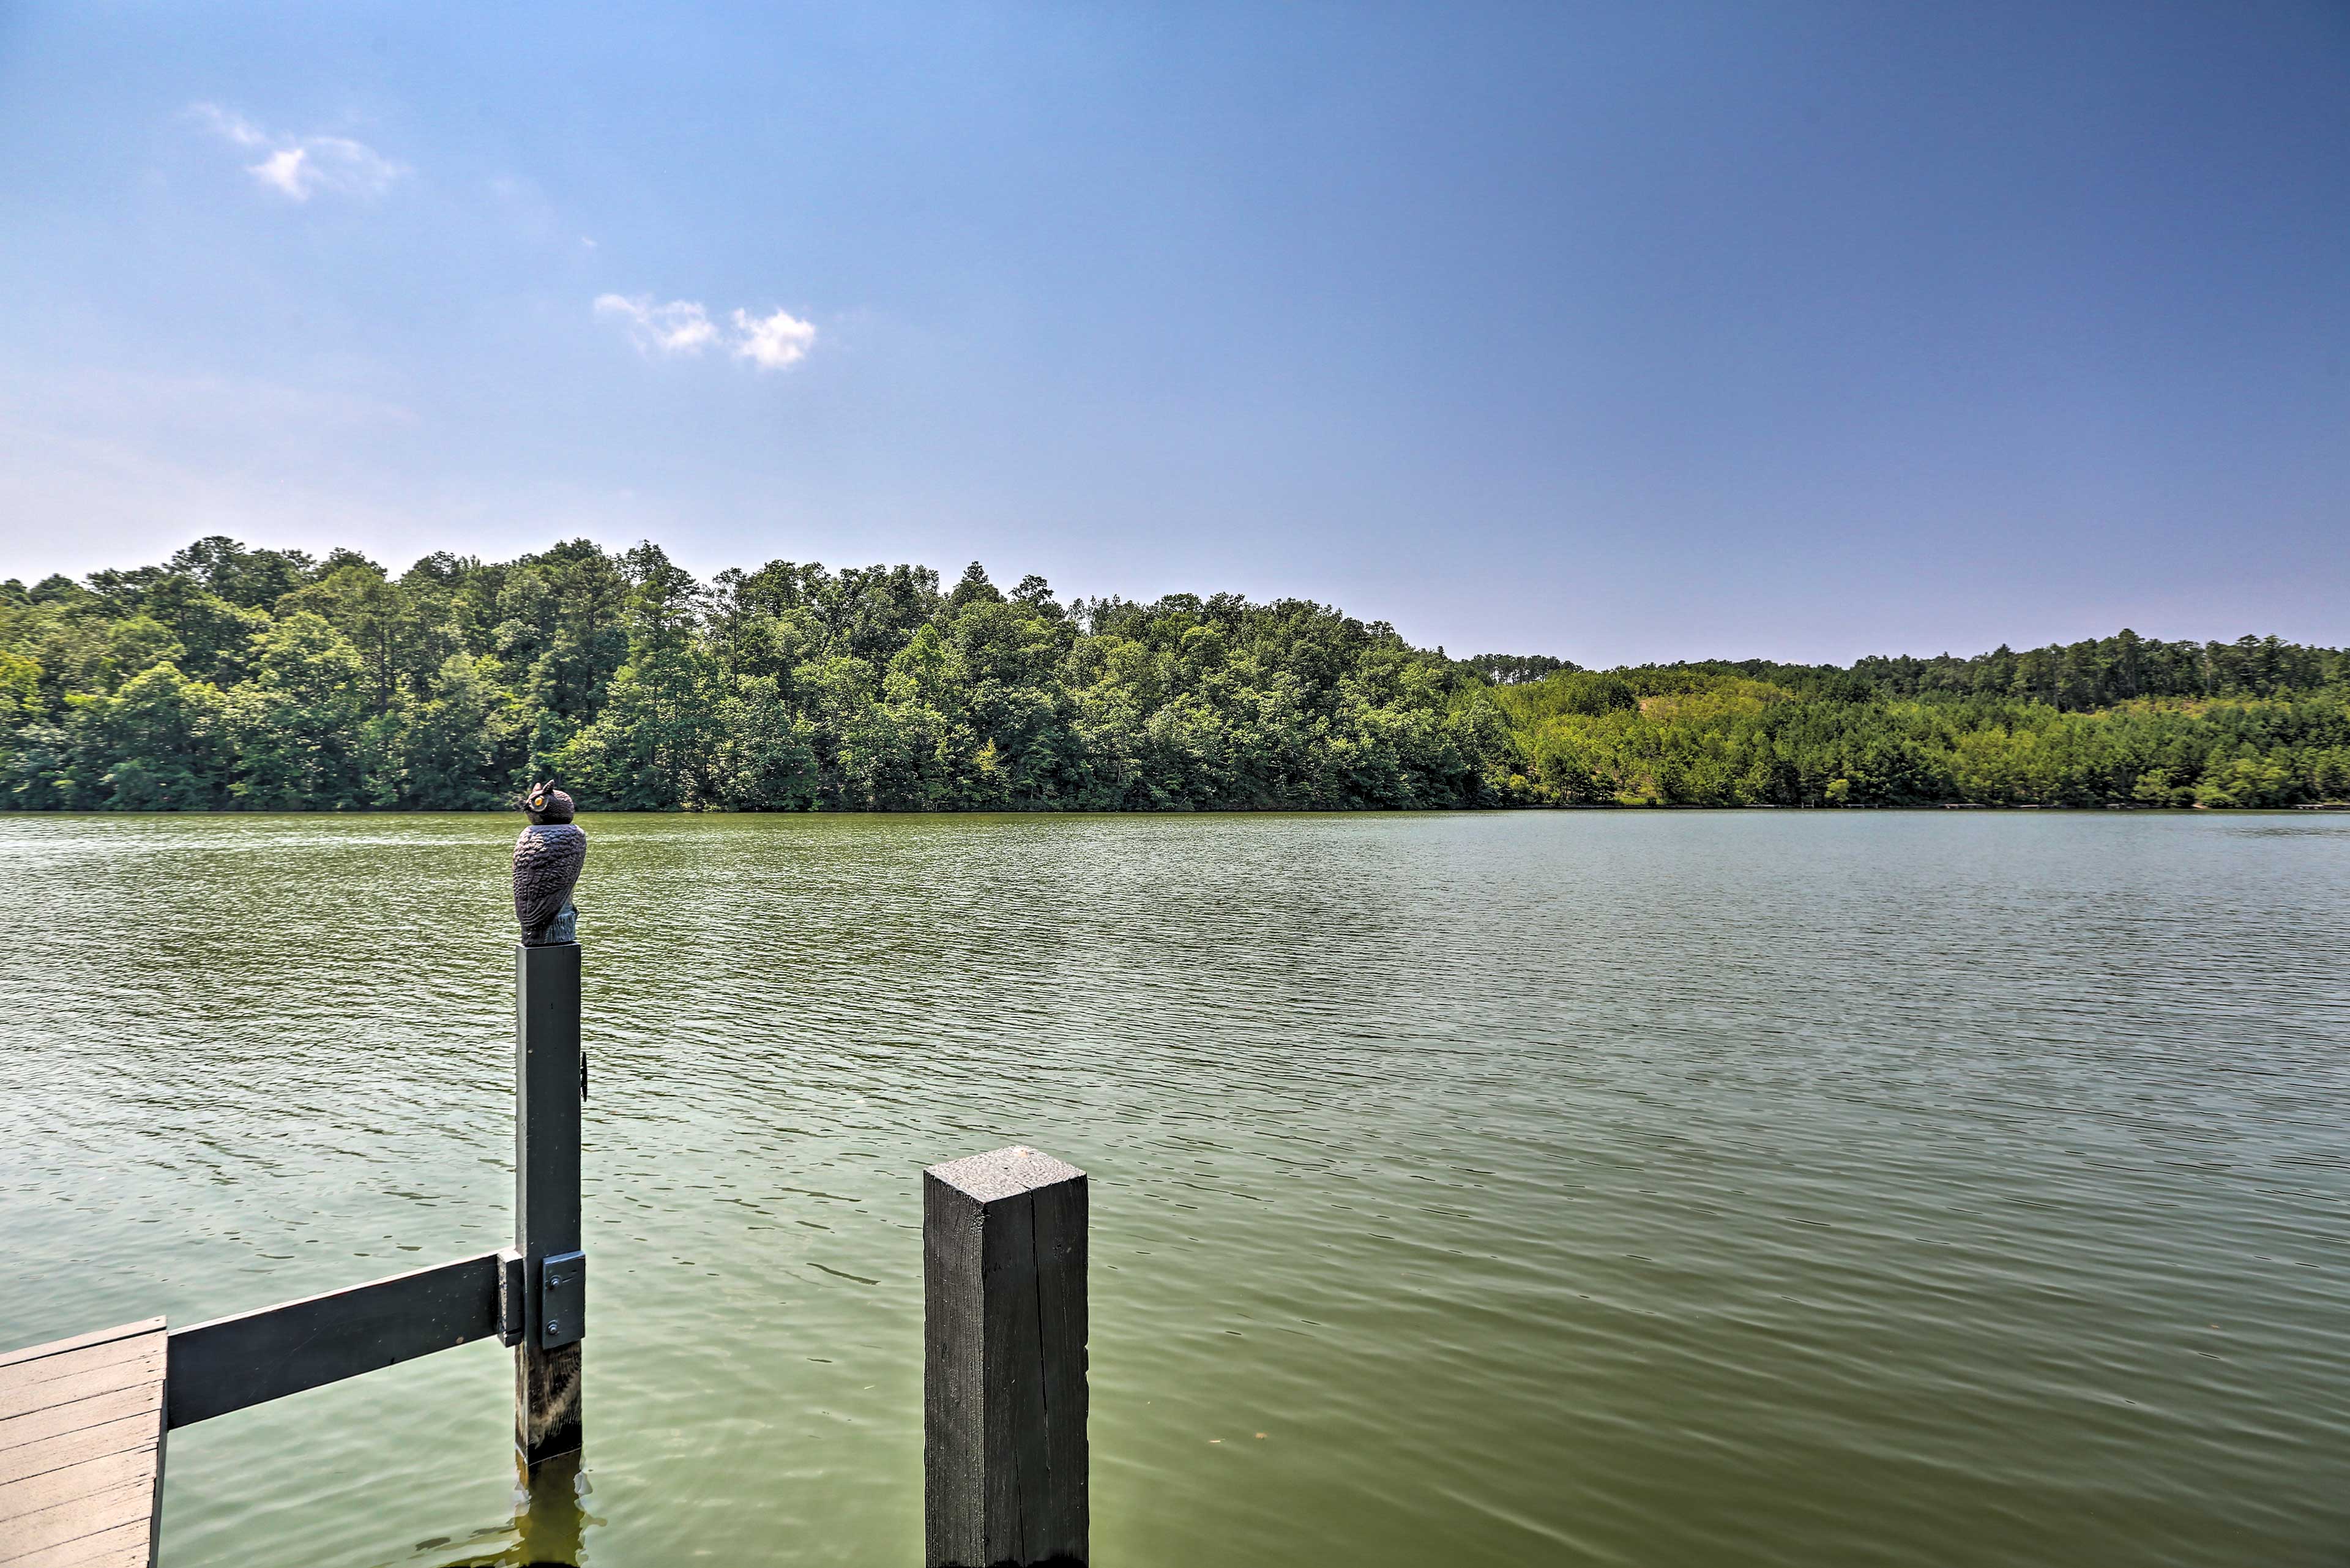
(81, 1449)
(1004, 1464)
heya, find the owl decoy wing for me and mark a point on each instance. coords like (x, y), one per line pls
(546, 865)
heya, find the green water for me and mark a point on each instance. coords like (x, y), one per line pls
(1640, 1189)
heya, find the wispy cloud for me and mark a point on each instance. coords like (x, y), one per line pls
(772, 342)
(301, 167)
(683, 327)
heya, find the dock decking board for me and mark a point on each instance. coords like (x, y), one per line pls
(81, 1449)
(35, 1425)
(17, 1382)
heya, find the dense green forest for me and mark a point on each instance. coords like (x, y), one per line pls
(266, 679)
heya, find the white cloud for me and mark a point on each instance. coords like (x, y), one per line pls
(286, 170)
(772, 342)
(301, 167)
(235, 127)
(681, 327)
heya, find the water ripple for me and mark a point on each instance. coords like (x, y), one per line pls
(1641, 1189)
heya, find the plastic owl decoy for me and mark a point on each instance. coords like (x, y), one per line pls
(546, 863)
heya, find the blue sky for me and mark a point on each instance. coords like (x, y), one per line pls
(1620, 332)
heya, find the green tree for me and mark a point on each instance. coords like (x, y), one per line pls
(157, 745)
(296, 724)
(452, 739)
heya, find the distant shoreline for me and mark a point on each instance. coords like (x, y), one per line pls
(235, 679)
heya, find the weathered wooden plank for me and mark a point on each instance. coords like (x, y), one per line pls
(547, 1377)
(137, 1430)
(1003, 1376)
(57, 1420)
(1062, 1330)
(89, 1478)
(142, 1375)
(232, 1362)
(955, 1404)
(123, 1360)
(124, 1546)
(1018, 1472)
(81, 1453)
(81, 1341)
(62, 1391)
(125, 1507)
(546, 1401)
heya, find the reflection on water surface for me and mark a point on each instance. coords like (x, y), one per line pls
(550, 1522)
(1764, 1187)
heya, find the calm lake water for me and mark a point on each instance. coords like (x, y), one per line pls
(1607, 1187)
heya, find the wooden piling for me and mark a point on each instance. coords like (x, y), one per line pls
(1004, 1366)
(547, 1200)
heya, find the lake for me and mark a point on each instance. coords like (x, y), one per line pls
(1744, 1188)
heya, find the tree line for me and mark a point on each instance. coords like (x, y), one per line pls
(236, 678)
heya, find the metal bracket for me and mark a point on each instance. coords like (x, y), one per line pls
(510, 1297)
(562, 1300)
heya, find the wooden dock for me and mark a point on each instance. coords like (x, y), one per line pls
(81, 1449)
